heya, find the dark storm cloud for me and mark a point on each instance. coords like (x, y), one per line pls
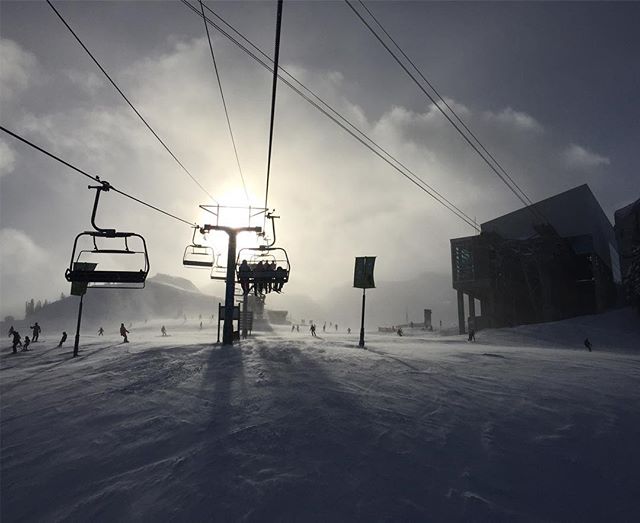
(498, 64)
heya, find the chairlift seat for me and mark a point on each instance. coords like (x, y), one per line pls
(196, 255)
(268, 255)
(79, 276)
(102, 278)
(197, 263)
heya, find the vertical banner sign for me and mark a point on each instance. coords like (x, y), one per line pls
(363, 279)
(363, 273)
(80, 288)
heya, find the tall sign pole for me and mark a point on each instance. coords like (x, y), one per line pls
(80, 289)
(363, 279)
(76, 345)
(361, 342)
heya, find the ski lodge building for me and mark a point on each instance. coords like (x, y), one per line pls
(555, 259)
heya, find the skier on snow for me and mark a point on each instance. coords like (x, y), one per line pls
(123, 333)
(16, 341)
(36, 331)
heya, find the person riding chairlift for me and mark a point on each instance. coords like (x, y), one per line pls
(281, 275)
(259, 278)
(244, 273)
(271, 269)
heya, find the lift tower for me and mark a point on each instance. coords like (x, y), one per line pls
(232, 232)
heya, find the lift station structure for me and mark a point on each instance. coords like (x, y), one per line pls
(552, 260)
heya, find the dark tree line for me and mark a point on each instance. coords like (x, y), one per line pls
(31, 307)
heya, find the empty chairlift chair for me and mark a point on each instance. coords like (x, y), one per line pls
(197, 255)
(107, 260)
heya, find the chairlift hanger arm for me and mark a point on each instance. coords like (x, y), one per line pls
(229, 230)
(99, 188)
(273, 227)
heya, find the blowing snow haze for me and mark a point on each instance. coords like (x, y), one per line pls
(550, 89)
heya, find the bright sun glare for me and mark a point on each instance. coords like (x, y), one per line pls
(233, 211)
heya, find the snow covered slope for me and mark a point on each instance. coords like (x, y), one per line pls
(613, 331)
(286, 427)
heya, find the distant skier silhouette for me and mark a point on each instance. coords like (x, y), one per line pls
(163, 330)
(27, 341)
(123, 333)
(313, 330)
(100, 331)
(472, 335)
(348, 330)
(36, 332)
(587, 344)
(63, 339)
(16, 341)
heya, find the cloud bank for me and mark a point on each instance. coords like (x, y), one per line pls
(336, 199)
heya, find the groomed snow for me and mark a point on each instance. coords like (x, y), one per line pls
(286, 427)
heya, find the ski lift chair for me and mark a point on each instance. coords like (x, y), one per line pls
(197, 255)
(109, 278)
(115, 277)
(273, 256)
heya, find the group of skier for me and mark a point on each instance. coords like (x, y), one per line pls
(266, 277)
(313, 328)
(17, 340)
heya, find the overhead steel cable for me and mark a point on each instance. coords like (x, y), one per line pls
(320, 100)
(317, 102)
(456, 126)
(224, 103)
(446, 104)
(92, 177)
(129, 102)
(276, 57)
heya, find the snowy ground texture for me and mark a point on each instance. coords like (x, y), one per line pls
(285, 427)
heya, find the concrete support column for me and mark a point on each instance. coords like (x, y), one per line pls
(472, 312)
(461, 320)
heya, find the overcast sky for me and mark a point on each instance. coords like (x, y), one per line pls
(551, 89)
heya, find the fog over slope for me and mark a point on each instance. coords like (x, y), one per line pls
(164, 296)
(168, 296)
(387, 304)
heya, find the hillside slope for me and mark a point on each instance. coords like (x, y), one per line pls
(163, 297)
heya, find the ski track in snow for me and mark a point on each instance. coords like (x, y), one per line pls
(285, 427)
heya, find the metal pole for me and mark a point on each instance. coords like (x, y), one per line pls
(229, 299)
(219, 304)
(461, 321)
(77, 342)
(245, 315)
(361, 343)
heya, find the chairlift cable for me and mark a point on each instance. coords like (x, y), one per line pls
(92, 177)
(464, 136)
(224, 103)
(273, 99)
(446, 104)
(403, 170)
(129, 103)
